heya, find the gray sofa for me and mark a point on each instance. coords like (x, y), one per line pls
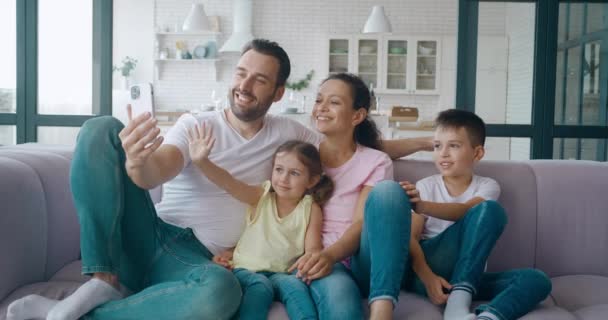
(558, 222)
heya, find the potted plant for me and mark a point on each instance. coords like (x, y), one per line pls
(128, 65)
(298, 86)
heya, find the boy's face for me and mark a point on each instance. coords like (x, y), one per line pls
(454, 153)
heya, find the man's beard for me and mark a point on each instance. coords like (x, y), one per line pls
(252, 113)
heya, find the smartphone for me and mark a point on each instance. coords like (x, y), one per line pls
(141, 98)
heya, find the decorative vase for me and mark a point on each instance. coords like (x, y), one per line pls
(125, 82)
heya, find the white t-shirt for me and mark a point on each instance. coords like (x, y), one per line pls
(433, 189)
(190, 200)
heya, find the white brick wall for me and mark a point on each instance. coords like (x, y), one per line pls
(302, 28)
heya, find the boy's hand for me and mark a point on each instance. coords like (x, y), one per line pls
(312, 266)
(224, 259)
(200, 142)
(411, 191)
(434, 285)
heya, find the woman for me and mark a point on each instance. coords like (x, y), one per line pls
(360, 225)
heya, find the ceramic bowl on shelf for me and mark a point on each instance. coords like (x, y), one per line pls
(397, 50)
(290, 110)
(367, 49)
(339, 50)
(425, 50)
(199, 52)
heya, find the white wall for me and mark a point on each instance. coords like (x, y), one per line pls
(301, 27)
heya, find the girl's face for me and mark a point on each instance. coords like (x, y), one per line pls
(333, 111)
(290, 177)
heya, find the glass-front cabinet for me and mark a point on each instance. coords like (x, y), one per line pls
(368, 60)
(389, 64)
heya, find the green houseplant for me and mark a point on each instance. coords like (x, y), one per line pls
(127, 66)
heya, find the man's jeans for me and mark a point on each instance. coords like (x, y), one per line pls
(166, 267)
(259, 291)
(459, 255)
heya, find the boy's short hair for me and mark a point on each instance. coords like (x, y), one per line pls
(457, 118)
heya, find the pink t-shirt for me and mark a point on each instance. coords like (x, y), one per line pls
(366, 168)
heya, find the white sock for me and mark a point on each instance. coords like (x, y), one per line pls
(90, 295)
(487, 316)
(30, 307)
(458, 306)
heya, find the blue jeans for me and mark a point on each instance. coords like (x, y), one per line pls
(337, 295)
(384, 238)
(459, 254)
(169, 270)
(259, 291)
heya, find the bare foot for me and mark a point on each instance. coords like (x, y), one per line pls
(381, 310)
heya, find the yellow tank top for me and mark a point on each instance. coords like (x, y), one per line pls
(271, 243)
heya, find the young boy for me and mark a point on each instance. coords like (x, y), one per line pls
(455, 227)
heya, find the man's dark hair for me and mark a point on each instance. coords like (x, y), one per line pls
(472, 123)
(273, 49)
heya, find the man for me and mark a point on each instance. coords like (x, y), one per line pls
(164, 254)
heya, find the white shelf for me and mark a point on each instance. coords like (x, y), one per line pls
(427, 56)
(187, 60)
(198, 33)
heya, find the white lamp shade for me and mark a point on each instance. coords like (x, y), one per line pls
(242, 22)
(196, 19)
(377, 21)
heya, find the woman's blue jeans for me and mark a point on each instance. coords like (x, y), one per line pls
(167, 268)
(259, 290)
(384, 240)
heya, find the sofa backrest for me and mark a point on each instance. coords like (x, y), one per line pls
(516, 246)
(38, 220)
(572, 217)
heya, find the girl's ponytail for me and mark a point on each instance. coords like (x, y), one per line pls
(323, 190)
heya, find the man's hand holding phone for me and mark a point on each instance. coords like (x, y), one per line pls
(139, 139)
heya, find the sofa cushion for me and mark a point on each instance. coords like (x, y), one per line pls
(50, 289)
(23, 221)
(572, 217)
(516, 247)
(596, 312)
(57, 214)
(576, 292)
(71, 272)
(411, 306)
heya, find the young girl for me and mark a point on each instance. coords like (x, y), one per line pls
(283, 222)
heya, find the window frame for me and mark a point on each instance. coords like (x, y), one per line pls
(26, 117)
(542, 129)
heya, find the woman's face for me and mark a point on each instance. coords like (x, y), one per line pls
(333, 111)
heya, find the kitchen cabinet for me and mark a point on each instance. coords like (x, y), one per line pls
(392, 64)
(202, 47)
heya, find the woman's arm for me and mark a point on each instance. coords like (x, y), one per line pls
(318, 265)
(312, 240)
(348, 244)
(404, 147)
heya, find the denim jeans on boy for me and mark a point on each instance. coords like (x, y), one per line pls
(259, 290)
(384, 239)
(459, 255)
(166, 267)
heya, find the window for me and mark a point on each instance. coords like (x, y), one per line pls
(546, 89)
(58, 73)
